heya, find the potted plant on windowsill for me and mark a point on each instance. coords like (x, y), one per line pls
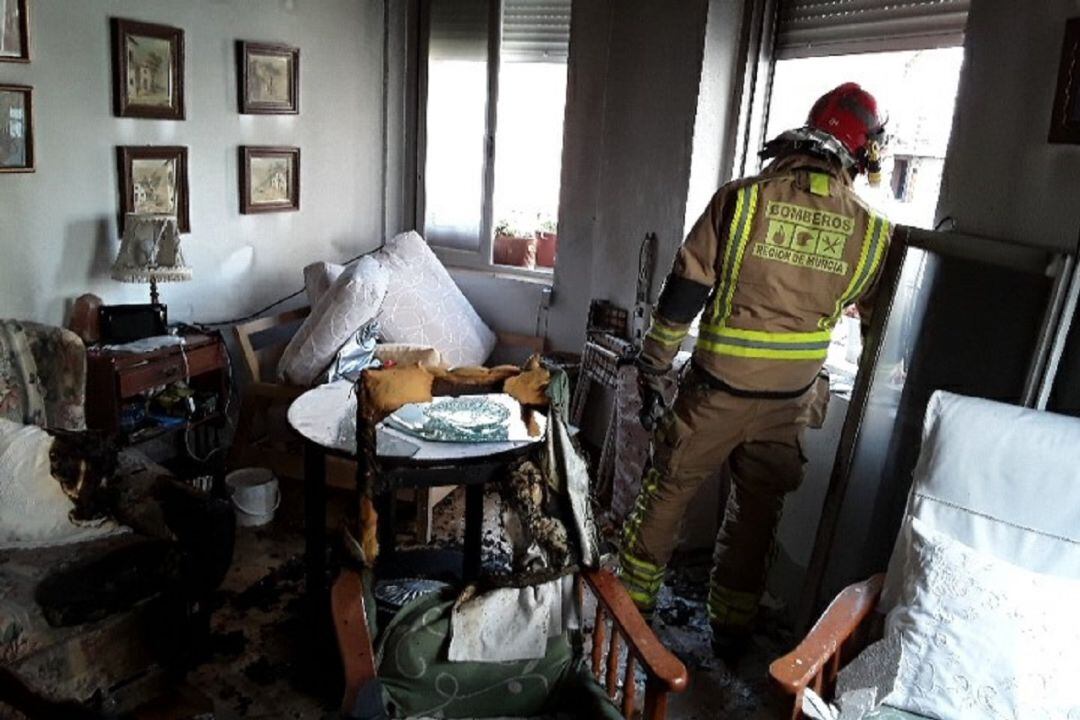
(547, 244)
(513, 247)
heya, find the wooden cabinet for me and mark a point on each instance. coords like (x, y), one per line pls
(115, 378)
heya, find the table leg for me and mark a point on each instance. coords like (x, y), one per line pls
(474, 526)
(315, 520)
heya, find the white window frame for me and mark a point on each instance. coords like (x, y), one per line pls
(482, 258)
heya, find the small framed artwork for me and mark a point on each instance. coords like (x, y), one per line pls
(16, 128)
(14, 31)
(269, 179)
(269, 78)
(1065, 121)
(154, 179)
(148, 70)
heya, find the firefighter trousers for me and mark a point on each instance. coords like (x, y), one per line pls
(761, 440)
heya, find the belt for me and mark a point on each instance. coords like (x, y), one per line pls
(717, 384)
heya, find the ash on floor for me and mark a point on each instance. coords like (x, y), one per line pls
(262, 665)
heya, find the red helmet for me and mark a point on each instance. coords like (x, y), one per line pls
(850, 114)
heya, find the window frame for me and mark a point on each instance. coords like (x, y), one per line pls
(482, 257)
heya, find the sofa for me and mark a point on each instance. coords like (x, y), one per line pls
(100, 617)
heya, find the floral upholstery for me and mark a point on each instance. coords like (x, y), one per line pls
(42, 375)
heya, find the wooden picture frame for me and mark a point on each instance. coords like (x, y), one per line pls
(15, 31)
(148, 70)
(1065, 120)
(268, 78)
(154, 179)
(16, 157)
(269, 179)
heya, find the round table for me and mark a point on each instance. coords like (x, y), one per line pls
(325, 417)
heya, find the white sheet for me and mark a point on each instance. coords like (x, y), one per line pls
(511, 624)
(33, 507)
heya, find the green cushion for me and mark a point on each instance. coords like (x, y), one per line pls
(418, 680)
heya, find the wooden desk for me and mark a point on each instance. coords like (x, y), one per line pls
(114, 378)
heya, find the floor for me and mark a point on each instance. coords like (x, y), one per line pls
(260, 664)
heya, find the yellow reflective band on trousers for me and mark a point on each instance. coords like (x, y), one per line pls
(641, 578)
(870, 255)
(730, 609)
(666, 335)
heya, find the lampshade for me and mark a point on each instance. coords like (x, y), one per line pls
(150, 250)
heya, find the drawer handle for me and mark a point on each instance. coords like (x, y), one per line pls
(167, 373)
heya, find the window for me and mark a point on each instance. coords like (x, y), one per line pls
(491, 153)
(917, 91)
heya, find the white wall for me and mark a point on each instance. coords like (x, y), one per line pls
(1002, 178)
(58, 225)
(717, 107)
(635, 66)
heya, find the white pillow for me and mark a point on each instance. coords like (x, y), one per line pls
(318, 278)
(982, 638)
(423, 306)
(34, 510)
(351, 301)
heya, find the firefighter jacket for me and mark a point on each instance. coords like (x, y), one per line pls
(774, 260)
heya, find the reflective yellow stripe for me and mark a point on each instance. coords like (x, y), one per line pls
(738, 234)
(641, 568)
(665, 335)
(873, 247)
(819, 184)
(814, 336)
(762, 353)
(732, 608)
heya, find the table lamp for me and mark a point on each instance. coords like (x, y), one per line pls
(150, 251)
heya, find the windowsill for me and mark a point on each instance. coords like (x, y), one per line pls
(534, 277)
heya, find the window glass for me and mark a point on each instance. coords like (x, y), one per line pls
(533, 54)
(915, 89)
(456, 123)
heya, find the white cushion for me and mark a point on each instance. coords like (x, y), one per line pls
(423, 306)
(34, 510)
(982, 638)
(318, 278)
(1001, 479)
(351, 301)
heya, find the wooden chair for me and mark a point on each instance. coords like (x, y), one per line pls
(618, 625)
(256, 442)
(984, 478)
(844, 629)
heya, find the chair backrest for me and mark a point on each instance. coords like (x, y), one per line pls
(263, 340)
(1001, 479)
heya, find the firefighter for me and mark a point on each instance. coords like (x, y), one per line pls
(773, 262)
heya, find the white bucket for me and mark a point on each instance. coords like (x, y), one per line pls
(255, 494)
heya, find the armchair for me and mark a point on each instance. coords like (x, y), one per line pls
(622, 642)
(999, 479)
(618, 624)
(60, 604)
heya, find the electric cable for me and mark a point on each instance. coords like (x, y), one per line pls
(274, 304)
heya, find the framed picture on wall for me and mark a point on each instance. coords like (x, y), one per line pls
(269, 78)
(148, 70)
(153, 179)
(16, 128)
(269, 179)
(1065, 121)
(14, 31)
